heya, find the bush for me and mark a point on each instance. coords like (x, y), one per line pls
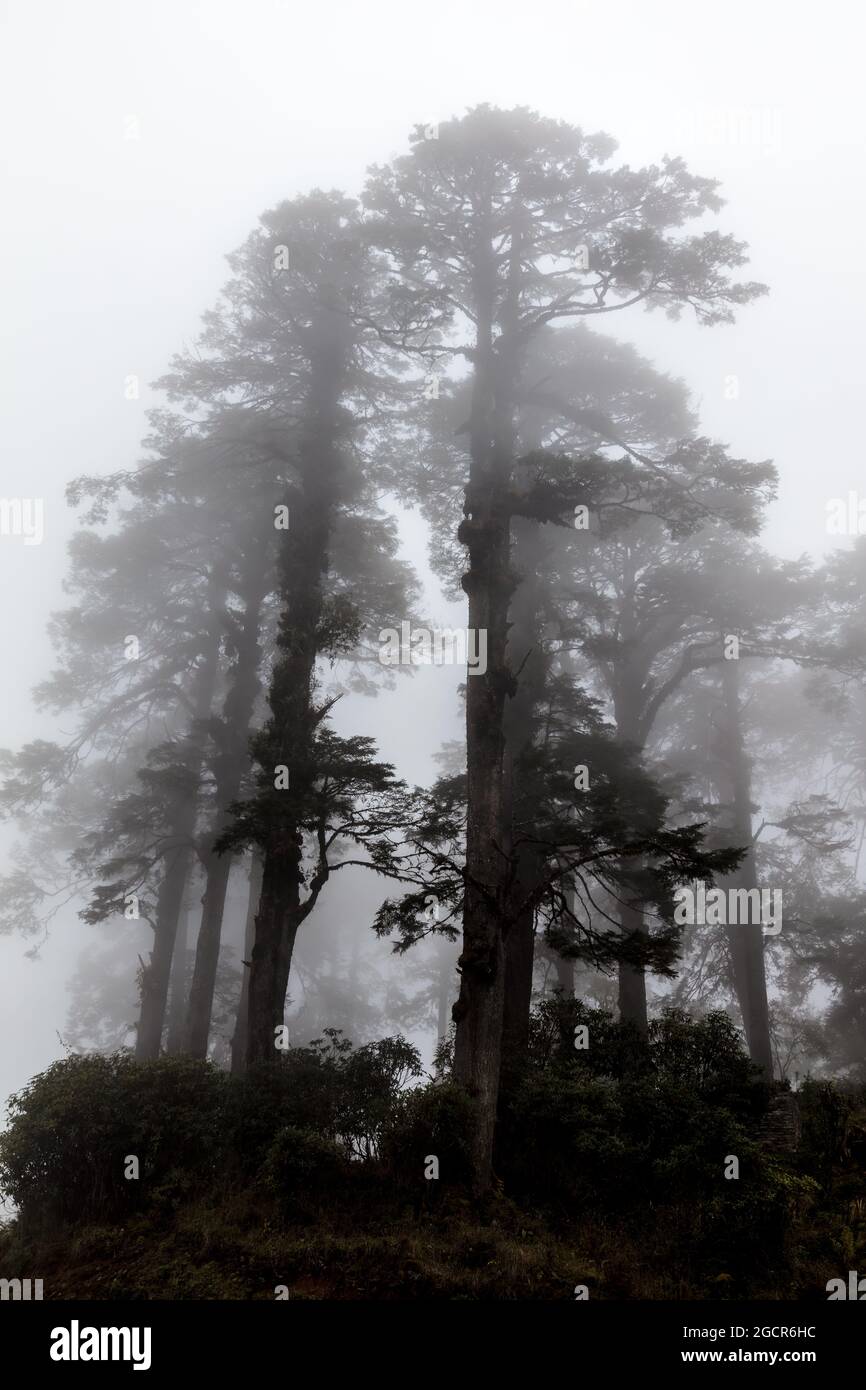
(302, 1170)
(432, 1120)
(825, 1115)
(345, 1095)
(301, 1093)
(628, 1138)
(187, 1122)
(615, 1049)
(374, 1078)
(73, 1126)
(560, 1140)
(706, 1057)
(625, 1123)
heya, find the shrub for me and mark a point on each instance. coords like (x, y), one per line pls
(625, 1123)
(299, 1093)
(302, 1170)
(344, 1094)
(374, 1078)
(615, 1049)
(73, 1126)
(435, 1120)
(560, 1140)
(825, 1116)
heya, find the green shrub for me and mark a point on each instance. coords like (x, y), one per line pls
(615, 1049)
(432, 1120)
(374, 1079)
(825, 1117)
(344, 1094)
(625, 1123)
(303, 1171)
(73, 1126)
(301, 1093)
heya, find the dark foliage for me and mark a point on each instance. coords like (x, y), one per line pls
(621, 1136)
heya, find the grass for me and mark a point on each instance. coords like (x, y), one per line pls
(241, 1250)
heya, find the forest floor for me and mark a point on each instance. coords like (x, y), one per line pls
(670, 1175)
(238, 1251)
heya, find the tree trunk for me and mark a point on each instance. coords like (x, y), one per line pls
(177, 994)
(155, 977)
(488, 584)
(565, 977)
(443, 1001)
(288, 738)
(201, 992)
(632, 979)
(239, 1038)
(230, 765)
(745, 940)
(629, 724)
(526, 654)
(519, 963)
(275, 931)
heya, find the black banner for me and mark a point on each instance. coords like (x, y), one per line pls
(222, 1339)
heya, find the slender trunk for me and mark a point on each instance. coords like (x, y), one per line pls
(239, 1038)
(565, 977)
(443, 1002)
(745, 939)
(289, 736)
(632, 979)
(155, 977)
(489, 584)
(526, 655)
(177, 994)
(275, 931)
(230, 765)
(200, 1004)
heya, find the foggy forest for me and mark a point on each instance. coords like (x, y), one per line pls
(433, 782)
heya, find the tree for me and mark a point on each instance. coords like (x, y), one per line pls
(302, 345)
(502, 213)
